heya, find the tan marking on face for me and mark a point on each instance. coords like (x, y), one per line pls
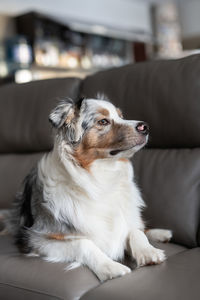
(119, 112)
(104, 112)
(86, 156)
(56, 236)
(116, 137)
(96, 144)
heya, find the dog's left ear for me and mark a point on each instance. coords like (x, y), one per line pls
(67, 114)
(60, 114)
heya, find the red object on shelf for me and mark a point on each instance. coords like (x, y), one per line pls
(139, 51)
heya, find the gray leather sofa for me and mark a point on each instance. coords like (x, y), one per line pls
(166, 94)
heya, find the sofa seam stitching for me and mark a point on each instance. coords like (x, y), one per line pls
(30, 290)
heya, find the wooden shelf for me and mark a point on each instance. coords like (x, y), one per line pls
(35, 67)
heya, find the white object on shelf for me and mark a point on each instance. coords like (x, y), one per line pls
(22, 76)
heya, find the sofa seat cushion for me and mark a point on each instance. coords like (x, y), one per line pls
(177, 278)
(32, 278)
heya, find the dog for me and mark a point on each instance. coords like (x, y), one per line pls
(80, 204)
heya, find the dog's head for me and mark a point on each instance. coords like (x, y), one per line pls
(95, 129)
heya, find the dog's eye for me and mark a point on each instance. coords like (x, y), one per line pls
(103, 122)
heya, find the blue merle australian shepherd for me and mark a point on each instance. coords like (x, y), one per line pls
(80, 204)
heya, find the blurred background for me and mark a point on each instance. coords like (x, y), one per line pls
(42, 39)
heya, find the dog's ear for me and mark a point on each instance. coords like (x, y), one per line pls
(67, 115)
(63, 113)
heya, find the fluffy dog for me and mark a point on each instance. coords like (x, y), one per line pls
(80, 204)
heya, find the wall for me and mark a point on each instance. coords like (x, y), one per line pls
(189, 12)
(189, 15)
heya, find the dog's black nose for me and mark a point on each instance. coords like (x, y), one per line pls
(142, 128)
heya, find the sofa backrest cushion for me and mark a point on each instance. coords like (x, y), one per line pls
(166, 94)
(25, 132)
(169, 180)
(24, 110)
(13, 169)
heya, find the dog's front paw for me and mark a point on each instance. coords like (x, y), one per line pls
(110, 270)
(159, 235)
(149, 256)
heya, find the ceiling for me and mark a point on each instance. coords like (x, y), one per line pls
(12, 7)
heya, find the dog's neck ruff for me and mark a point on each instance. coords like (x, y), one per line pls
(61, 166)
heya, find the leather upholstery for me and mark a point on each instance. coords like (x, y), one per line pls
(169, 180)
(165, 94)
(177, 278)
(31, 277)
(14, 167)
(24, 111)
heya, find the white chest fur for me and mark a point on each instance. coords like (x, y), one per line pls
(119, 202)
(102, 204)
